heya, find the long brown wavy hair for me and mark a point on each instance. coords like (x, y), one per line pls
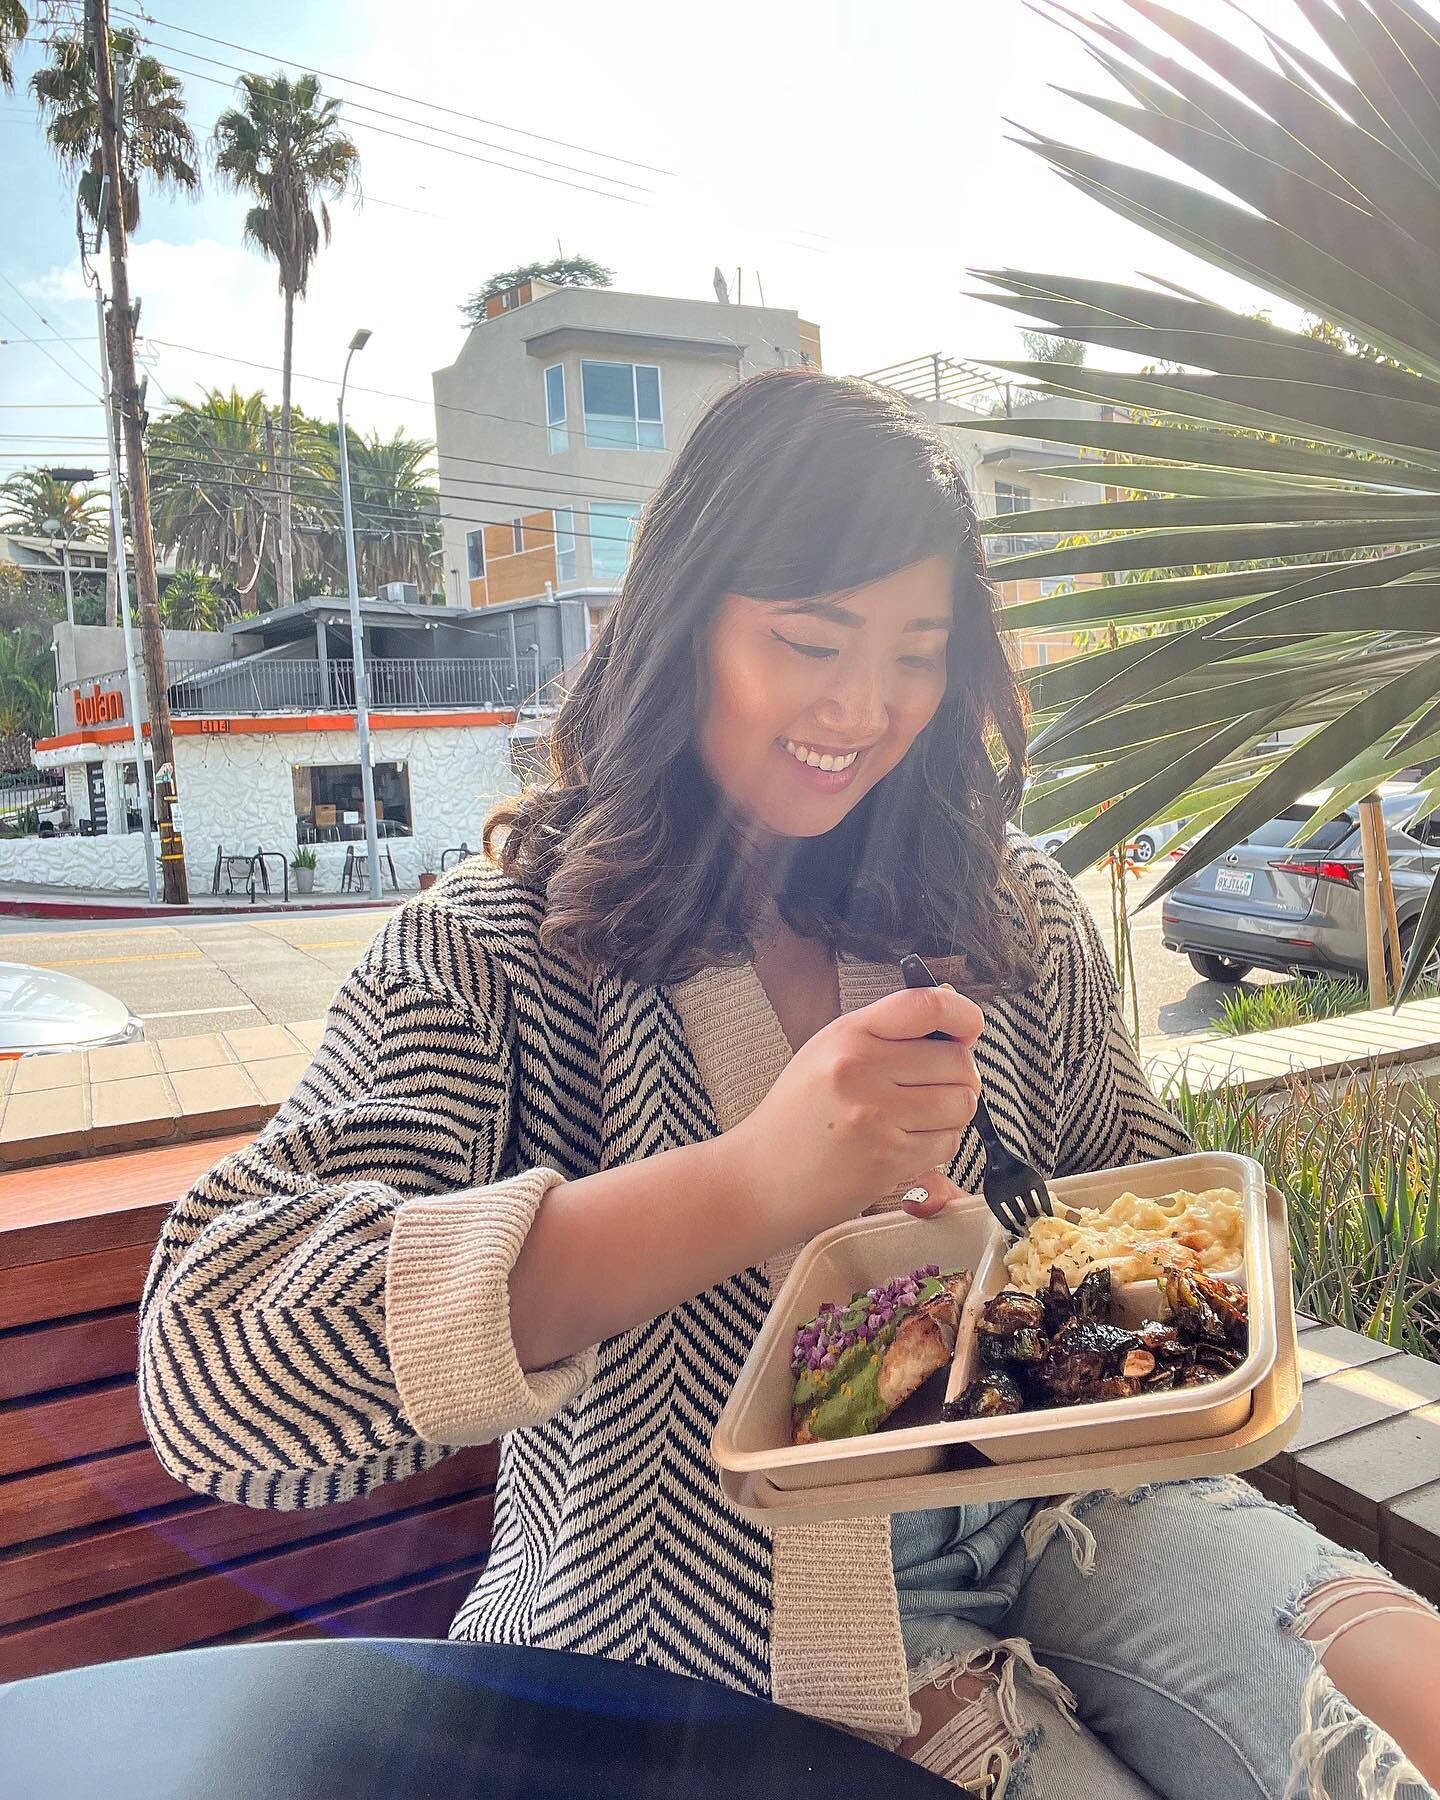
(793, 485)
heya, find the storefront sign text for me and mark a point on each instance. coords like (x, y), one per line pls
(98, 707)
(214, 727)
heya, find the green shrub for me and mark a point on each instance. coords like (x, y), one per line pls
(1359, 1167)
(303, 858)
(1298, 1002)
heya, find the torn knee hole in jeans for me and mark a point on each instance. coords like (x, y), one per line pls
(986, 1738)
(1327, 1718)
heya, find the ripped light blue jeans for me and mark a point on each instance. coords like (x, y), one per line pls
(1147, 1645)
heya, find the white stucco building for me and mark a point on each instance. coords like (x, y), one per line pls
(267, 748)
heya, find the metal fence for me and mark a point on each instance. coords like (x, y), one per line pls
(399, 683)
(29, 800)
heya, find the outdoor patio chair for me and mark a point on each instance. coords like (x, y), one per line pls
(235, 866)
(353, 874)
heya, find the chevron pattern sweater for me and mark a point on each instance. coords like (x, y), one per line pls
(328, 1308)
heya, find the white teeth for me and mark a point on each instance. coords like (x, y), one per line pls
(814, 759)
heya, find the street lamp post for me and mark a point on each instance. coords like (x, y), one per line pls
(357, 637)
(55, 528)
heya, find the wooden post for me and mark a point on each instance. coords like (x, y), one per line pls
(1392, 922)
(1371, 849)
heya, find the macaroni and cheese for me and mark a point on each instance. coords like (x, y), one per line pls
(1135, 1239)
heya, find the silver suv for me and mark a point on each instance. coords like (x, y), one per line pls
(1268, 907)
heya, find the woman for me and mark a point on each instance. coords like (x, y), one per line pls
(576, 1108)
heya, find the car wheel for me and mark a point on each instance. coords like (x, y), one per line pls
(1051, 845)
(1143, 850)
(1430, 974)
(1218, 968)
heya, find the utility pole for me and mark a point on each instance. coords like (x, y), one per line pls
(122, 590)
(172, 848)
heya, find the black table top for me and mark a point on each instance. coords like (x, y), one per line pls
(389, 1718)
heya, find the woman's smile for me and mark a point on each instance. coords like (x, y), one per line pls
(821, 770)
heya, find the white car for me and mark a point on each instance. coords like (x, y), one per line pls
(43, 1013)
(1144, 847)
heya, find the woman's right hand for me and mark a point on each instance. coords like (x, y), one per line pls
(868, 1103)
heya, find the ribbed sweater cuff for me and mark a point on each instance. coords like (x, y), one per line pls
(447, 1315)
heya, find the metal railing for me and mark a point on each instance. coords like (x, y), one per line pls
(29, 801)
(397, 683)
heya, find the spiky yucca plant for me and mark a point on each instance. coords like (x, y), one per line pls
(1305, 472)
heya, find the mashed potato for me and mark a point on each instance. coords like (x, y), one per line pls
(1135, 1239)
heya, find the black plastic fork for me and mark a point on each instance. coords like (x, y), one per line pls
(1013, 1191)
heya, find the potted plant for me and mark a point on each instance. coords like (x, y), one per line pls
(428, 876)
(302, 867)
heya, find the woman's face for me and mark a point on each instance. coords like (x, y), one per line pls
(809, 709)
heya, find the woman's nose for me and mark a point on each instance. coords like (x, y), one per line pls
(853, 705)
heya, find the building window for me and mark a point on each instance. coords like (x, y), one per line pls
(517, 537)
(622, 406)
(557, 433)
(329, 802)
(611, 524)
(1011, 499)
(475, 553)
(565, 562)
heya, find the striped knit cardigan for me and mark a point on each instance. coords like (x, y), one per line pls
(328, 1308)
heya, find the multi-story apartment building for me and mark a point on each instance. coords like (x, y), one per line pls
(1006, 474)
(558, 418)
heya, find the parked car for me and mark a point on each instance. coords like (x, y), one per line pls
(1266, 906)
(43, 1012)
(1144, 847)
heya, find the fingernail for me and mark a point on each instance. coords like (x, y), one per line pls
(915, 1196)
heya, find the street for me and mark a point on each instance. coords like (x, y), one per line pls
(213, 973)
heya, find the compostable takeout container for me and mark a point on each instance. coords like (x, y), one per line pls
(752, 1436)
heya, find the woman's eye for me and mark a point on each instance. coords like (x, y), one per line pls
(804, 649)
(924, 662)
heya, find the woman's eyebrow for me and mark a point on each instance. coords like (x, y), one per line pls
(840, 615)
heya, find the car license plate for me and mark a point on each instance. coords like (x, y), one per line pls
(1234, 881)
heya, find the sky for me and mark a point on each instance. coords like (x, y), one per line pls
(853, 158)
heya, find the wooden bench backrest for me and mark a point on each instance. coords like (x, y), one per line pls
(102, 1554)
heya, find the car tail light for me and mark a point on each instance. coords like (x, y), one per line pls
(1342, 872)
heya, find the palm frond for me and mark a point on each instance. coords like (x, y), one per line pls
(1285, 502)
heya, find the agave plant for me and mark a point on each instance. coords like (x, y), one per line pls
(1304, 472)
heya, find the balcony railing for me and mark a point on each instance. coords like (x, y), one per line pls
(397, 683)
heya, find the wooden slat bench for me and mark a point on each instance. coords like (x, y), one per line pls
(102, 1554)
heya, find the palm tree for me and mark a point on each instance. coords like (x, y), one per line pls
(14, 24)
(1307, 476)
(27, 682)
(396, 506)
(283, 145)
(37, 504)
(155, 139)
(214, 490)
(191, 602)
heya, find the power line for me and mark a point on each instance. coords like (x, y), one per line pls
(420, 124)
(68, 373)
(392, 94)
(409, 399)
(437, 106)
(403, 137)
(87, 371)
(312, 487)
